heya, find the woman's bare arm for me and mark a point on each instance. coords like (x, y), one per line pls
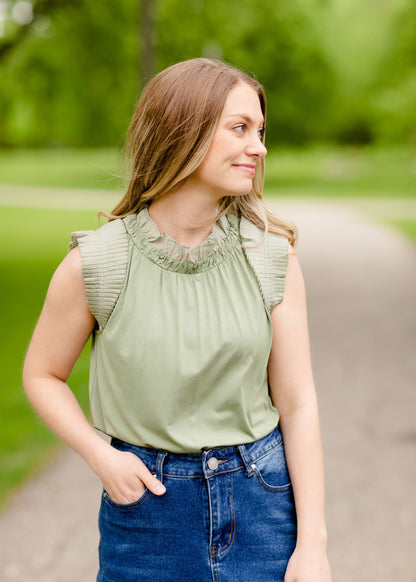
(62, 331)
(293, 393)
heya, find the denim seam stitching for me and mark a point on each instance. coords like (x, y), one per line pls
(269, 451)
(230, 542)
(231, 470)
(270, 488)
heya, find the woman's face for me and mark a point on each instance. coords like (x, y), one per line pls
(237, 147)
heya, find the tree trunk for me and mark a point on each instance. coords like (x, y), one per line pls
(148, 45)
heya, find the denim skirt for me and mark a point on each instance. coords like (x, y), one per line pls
(228, 515)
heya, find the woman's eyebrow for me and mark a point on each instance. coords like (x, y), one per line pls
(244, 116)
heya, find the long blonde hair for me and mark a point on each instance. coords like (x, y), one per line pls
(172, 130)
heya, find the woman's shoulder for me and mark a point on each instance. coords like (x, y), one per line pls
(67, 283)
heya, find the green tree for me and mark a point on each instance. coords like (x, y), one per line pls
(70, 75)
(274, 39)
(73, 81)
(394, 96)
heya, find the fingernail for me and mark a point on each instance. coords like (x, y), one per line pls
(160, 488)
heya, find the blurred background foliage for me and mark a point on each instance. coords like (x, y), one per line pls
(344, 72)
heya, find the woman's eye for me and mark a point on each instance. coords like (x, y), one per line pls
(241, 128)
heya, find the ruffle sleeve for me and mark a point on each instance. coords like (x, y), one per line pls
(268, 259)
(104, 258)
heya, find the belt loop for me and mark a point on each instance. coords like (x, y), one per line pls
(246, 461)
(159, 464)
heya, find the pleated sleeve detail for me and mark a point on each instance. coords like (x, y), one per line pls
(104, 258)
(268, 259)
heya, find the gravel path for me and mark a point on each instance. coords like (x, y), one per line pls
(361, 284)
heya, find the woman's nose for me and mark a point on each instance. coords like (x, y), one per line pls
(256, 147)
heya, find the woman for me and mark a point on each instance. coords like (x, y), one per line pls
(198, 365)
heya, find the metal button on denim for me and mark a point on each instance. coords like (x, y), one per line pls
(213, 463)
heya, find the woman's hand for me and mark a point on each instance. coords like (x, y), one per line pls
(124, 476)
(308, 564)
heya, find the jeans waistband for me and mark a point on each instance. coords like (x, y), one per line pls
(209, 462)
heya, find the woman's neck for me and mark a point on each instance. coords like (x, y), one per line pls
(185, 217)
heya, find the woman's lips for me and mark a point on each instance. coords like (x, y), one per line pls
(248, 168)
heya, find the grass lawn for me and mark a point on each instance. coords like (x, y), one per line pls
(316, 171)
(374, 172)
(98, 168)
(33, 242)
(406, 226)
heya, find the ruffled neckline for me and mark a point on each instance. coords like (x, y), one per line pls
(169, 246)
(163, 250)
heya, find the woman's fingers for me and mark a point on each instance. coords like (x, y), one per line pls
(125, 476)
(150, 480)
(154, 485)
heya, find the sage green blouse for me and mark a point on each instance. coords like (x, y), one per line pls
(180, 362)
